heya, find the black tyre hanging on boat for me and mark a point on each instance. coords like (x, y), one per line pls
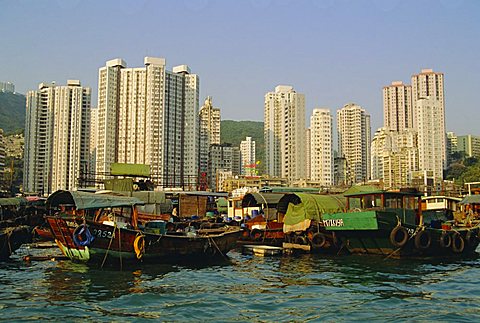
(423, 240)
(256, 235)
(458, 243)
(399, 236)
(318, 240)
(445, 240)
(470, 238)
(301, 240)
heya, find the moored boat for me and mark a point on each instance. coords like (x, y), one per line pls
(101, 228)
(391, 224)
(12, 238)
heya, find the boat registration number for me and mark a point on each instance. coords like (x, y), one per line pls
(102, 233)
(333, 223)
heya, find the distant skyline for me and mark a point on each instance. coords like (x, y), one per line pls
(334, 52)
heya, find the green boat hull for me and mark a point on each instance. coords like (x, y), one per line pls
(370, 232)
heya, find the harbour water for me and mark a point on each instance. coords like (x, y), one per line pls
(244, 288)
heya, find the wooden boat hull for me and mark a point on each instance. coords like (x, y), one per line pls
(370, 232)
(112, 244)
(12, 238)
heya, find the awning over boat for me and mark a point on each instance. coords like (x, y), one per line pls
(86, 200)
(302, 206)
(257, 199)
(13, 201)
(471, 199)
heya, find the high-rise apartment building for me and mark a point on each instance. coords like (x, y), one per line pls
(431, 136)
(321, 147)
(353, 126)
(468, 145)
(209, 132)
(149, 116)
(397, 106)
(429, 121)
(7, 87)
(223, 158)
(284, 132)
(2, 155)
(57, 137)
(394, 156)
(247, 153)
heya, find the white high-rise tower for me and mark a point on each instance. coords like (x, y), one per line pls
(321, 147)
(284, 132)
(429, 121)
(353, 125)
(149, 116)
(57, 137)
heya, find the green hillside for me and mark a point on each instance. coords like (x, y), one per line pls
(234, 132)
(12, 112)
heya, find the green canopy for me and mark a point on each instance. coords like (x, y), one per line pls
(257, 199)
(86, 200)
(471, 199)
(124, 169)
(13, 201)
(302, 206)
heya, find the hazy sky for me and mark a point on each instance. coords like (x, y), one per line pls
(333, 51)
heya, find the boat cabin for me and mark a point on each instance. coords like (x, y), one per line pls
(108, 209)
(406, 205)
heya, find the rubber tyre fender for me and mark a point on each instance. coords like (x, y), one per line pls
(256, 235)
(458, 243)
(82, 236)
(318, 240)
(139, 246)
(470, 238)
(445, 240)
(301, 240)
(423, 240)
(399, 236)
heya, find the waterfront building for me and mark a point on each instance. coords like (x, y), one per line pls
(284, 131)
(247, 152)
(2, 154)
(397, 106)
(308, 156)
(394, 157)
(89, 178)
(149, 115)
(7, 87)
(340, 171)
(321, 147)
(429, 121)
(353, 126)
(222, 158)
(468, 145)
(431, 136)
(209, 132)
(57, 137)
(451, 147)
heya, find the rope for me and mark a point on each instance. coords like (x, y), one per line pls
(109, 244)
(413, 235)
(215, 244)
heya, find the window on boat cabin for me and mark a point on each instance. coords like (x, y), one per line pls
(411, 202)
(354, 203)
(393, 202)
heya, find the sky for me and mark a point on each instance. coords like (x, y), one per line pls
(333, 51)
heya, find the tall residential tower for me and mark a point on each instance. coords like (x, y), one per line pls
(284, 132)
(57, 137)
(353, 126)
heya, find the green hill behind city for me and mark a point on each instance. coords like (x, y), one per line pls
(12, 112)
(234, 132)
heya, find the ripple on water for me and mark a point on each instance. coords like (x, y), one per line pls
(245, 288)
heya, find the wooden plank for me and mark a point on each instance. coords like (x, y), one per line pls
(287, 245)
